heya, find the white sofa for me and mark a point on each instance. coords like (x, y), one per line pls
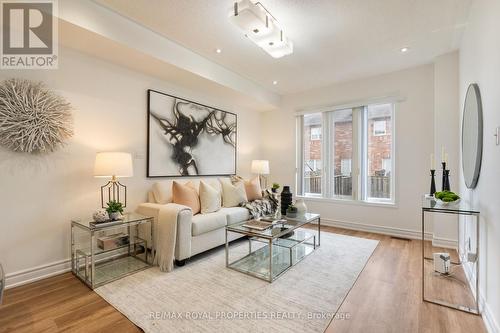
(195, 234)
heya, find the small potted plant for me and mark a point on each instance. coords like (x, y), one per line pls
(291, 211)
(275, 187)
(115, 210)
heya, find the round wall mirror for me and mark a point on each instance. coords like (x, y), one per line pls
(472, 136)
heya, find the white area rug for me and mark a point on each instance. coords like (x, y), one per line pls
(205, 296)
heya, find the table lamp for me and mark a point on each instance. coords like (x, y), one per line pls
(261, 167)
(114, 165)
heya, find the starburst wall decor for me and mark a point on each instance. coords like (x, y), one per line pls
(33, 119)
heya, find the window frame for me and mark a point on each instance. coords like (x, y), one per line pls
(359, 161)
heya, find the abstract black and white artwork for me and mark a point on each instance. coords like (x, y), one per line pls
(186, 138)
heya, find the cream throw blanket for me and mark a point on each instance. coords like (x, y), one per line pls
(166, 232)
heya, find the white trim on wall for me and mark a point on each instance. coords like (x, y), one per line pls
(29, 275)
(396, 232)
(393, 99)
(488, 317)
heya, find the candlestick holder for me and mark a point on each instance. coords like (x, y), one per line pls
(446, 180)
(443, 180)
(433, 182)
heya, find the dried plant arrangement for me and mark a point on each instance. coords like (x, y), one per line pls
(33, 119)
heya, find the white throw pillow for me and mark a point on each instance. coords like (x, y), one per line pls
(162, 192)
(232, 195)
(210, 198)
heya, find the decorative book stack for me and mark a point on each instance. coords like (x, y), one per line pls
(112, 241)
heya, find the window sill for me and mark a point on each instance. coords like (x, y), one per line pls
(388, 204)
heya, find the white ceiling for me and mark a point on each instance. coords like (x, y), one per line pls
(334, 40)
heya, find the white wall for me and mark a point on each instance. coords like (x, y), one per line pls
(40, 194)
(446, 134)
(480, 63)
(414, 143)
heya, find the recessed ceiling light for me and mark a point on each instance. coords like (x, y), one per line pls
(218, 50)
(275, 82)
(405, 49)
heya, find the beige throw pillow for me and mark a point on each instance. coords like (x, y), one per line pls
(186, 195)
(232, 195)
(253, 190)
(210, 198)
(162, 192)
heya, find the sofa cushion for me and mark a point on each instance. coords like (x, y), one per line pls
(232, 195)
(203, 223)
(210, 198)
(162, 192)
(186, 195)
(252, 189)
(235, 214)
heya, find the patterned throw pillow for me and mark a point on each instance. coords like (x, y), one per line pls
(262, 207)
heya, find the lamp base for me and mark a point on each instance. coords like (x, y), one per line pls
(263, 182)
(114, 187)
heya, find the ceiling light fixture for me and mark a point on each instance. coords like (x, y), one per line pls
(275, 82)
(218, 50)
(261, 28)
(405, 49)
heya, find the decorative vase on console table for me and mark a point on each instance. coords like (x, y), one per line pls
(301, 207)
(286, 199)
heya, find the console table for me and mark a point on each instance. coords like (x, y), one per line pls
(460, 208)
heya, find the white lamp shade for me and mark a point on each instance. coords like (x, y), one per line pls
(111, 164)
(260, 167)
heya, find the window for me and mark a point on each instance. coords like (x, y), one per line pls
(341, 151)
(379, 153)
(347, 154)
(312, 166)
(315, 133)
(345, 167)
(379, 127)
(387, 165)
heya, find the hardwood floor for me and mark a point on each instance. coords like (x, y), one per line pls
(385, 298)
(59, 304)
(387, 295)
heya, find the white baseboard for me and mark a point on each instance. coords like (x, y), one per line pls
(25, 276)
(391, 231)
(444, 242)
(29, 275)
(488, 317)
(397, 232)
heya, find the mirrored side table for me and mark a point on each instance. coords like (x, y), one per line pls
(466, 264)
(105, 252)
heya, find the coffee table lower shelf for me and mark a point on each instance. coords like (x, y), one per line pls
(268, 265)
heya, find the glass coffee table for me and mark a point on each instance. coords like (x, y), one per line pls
(273, 251)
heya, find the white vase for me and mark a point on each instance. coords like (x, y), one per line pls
(301, 207)
(115, 216)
